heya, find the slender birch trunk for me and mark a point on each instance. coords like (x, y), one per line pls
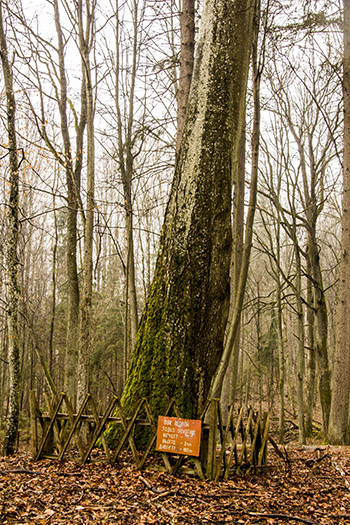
(9, 443)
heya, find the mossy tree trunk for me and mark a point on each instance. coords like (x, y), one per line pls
(242, 271)
(11, 253)
(180, 337)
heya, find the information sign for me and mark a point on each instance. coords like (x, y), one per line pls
(179, 436)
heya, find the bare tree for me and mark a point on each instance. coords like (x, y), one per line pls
(9, 443)
(86, 33)
(73, 178)
(338, 430)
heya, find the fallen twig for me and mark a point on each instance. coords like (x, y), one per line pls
(150, 487)
(21, 471)
(283, 516)
(162, 494)
(38, 472)
(68, 474)
(311, 462)
(167, 512)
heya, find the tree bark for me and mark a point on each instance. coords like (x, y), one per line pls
(338, 430)
(54, 288)
(281, 364)
(180, 338)
(86, 35)
(237, 256)
(187, 42)
(301, 344)
(234, 324)
(321, 334)
(9, 443)
(311, 362)
(281, 346)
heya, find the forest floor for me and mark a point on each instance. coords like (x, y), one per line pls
(309, 486)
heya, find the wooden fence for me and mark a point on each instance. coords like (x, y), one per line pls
(236, 446)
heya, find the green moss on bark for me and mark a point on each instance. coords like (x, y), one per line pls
(180, 337)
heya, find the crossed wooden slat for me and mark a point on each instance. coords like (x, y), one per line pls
(247, 455)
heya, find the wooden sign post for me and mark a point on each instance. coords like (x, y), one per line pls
(179, 436)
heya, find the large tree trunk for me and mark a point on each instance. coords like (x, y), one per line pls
(180, 338)
(338, 429)
(11, 254)
(240, 285)
(321, 333)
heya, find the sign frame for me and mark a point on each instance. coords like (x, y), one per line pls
(176, 435)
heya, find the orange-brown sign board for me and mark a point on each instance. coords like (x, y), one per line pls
(179, 436)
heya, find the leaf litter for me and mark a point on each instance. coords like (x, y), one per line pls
(302, 485)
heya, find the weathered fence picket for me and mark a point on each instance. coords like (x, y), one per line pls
(236, 446)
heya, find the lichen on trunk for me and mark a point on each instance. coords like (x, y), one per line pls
(180, 336)
(13, 291)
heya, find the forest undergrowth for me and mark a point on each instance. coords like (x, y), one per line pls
(301, 485)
